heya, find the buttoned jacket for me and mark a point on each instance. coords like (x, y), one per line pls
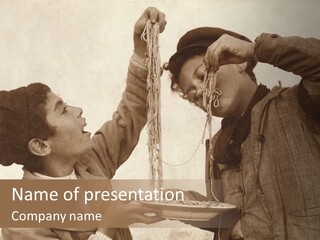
(277, 185)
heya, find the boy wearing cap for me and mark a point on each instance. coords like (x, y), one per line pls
(44, 134)
(265, 158)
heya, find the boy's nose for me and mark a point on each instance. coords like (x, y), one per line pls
(77, 111)
(80, 112)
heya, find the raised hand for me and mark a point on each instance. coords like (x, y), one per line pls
(228, 50)
(155, 16)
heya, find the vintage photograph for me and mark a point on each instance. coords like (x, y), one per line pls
(220, 96)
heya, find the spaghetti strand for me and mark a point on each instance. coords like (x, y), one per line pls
(211, 96)
(151, 36)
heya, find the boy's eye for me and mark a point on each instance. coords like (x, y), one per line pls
(201, 72)
(198, 96)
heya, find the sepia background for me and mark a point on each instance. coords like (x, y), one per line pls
(81, 49)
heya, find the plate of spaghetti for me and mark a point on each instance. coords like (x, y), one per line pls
(189, 209)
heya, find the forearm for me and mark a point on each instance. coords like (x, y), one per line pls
(135, 95)
(132, 110)
(293, 54)
(116, 139)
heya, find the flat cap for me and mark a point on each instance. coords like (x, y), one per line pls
(197, 41)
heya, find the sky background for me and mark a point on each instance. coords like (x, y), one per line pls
(81, 49)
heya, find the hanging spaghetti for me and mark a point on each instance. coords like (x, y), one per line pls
(211, 96)
(151, 36)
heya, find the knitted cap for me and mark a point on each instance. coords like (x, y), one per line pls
(15, 115)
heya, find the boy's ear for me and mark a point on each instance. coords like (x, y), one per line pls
(39, 147)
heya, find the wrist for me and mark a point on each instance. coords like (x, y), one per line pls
(100, 235)
(140, 60)
(110, 233)
(141, 53)
(140, 46)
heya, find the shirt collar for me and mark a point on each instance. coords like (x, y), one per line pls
(71, 176)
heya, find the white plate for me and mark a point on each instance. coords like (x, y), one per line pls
(189, 210)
